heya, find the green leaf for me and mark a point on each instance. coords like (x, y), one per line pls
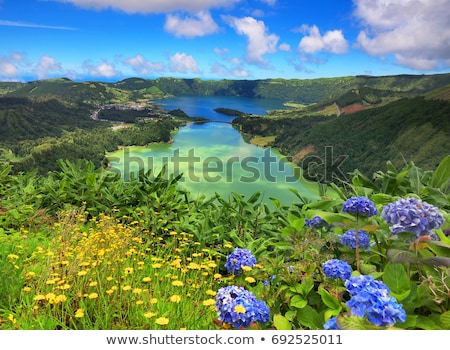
(298, 302)
(396, 278)
(310, 318)
(281, 323)
(329, 217)
(307, 285)
(441, 176)
(354, 323)
(445, 320)
(436, 261)
(425, 322)
(329, 300)
(398, 256)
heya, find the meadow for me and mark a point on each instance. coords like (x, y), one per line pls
(83, 249)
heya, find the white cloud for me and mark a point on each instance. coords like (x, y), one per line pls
(416, 32)
(182, 63)
(32, 25)
(269, 2)
(224, 71)
(46, 66)
(259, 41)
(9, 65)
(152, 6)
(7, 68)
(284, 47)
(105, 70)
(142, 66)
(220, 51)
(199, 25)
(332, 41)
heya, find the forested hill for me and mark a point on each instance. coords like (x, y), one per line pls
(406, 130)
(299, 90)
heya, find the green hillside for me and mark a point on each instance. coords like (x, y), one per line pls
(299, 90)
(406, 130)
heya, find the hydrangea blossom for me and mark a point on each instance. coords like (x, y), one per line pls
(316, 222)
(412, 215)
(331, 324)
(359, 206)
(336, 268)
(239, 258)
(370, 298)
(349, 239)
(239, 308)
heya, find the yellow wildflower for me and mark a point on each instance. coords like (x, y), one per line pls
(250, 279)
(177, 283)
(211, 292)
(79, 313)
(93, 296)
(146, 279)
(162, 321)
(175, 298)
(153, 301)
(209, 302)
(149, 314)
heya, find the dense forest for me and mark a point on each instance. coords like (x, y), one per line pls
(406, 130)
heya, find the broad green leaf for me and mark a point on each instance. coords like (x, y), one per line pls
(329, 217)
(441, 176)
(329, 300)
(281, 323)
(310, 318)
(396, 278)
(298, 302)
(436, 261)
(306, 285)
(425, 322)
(354, 323)
(445, 320)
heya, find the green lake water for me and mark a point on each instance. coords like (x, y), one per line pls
(213, 157)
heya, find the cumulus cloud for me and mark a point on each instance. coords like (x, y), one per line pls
(225, 71)
(104, 70)
(152, 6)
(7, 68)
(259, 41)
(332, 41)
(416, 32)
(284, 47)
(190, 27)
(182, 63)
(142, 66)
(46, 66)
(9, 65)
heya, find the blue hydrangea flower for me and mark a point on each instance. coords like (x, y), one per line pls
(316, 222)
(370, 298)
(239, 308)
(331, 324)
(349, 239)
(336, 268)
(412, 215)
(359, 206)
(238, 258)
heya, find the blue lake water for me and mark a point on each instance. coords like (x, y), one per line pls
(214, 158)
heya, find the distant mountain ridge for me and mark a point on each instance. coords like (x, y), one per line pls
(305, 91)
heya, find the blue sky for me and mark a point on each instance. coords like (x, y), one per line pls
(109, 40)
